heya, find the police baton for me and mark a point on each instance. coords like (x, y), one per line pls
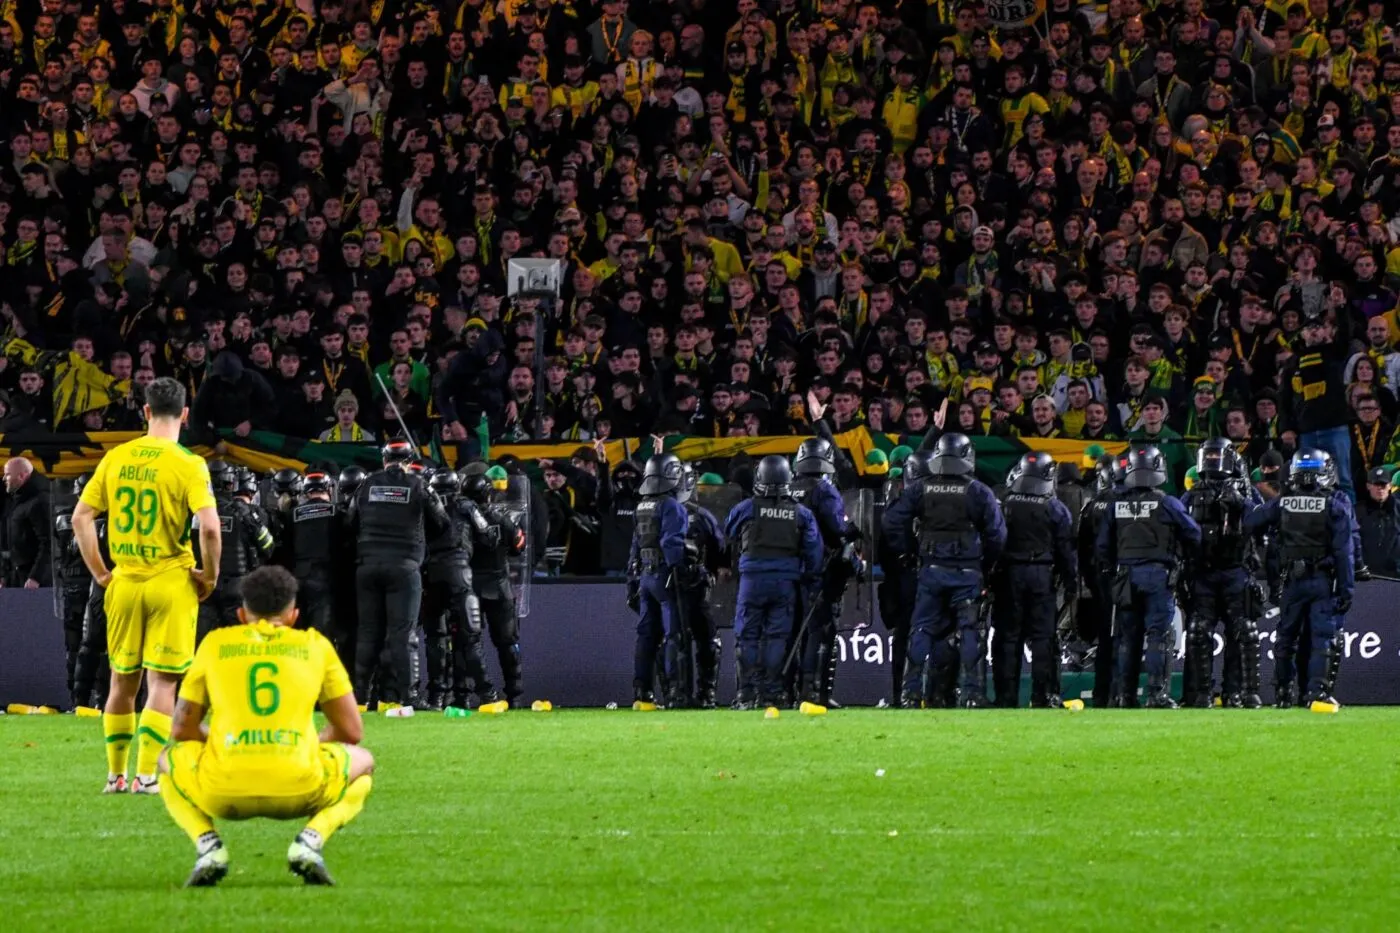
(801, 633)
(807, 618)
(397, 414)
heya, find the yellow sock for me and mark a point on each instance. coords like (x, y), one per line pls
(194, 821)
(119, 729)
(151, 737)
(338, 814)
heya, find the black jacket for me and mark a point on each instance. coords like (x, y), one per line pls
(230, 396)
(27, 533)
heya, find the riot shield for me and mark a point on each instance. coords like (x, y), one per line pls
(62, 502)
(516, 502)
(724, 595)
(861, 511)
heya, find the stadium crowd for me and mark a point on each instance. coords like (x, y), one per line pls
(1116, 222)
(1158, 222)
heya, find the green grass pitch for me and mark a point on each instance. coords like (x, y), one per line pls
(595, 820)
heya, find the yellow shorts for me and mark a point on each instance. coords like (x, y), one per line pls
(184, 776)
(151, 622)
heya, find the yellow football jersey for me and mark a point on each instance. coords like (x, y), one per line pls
(150, 490)
(261, 683)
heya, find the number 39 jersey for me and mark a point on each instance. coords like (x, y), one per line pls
(260, 684)
(149, 489)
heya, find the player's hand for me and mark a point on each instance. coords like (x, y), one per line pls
(103, 579)
(31, 584)
(203, 586)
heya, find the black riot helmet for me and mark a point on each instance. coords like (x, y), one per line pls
(1311, 469)
(350, 479)
(1103, 473)
(687, 490)
(1120, 469)
(477, 488)
(400, 452)
(773, 478)
(444, 484)
(916, 467)
(286, 482)
(815, 456)
(1147, 469)
(247, 481)
(80, 482)
(317, 482)
(953, 455)
(1217, 459)
(663, 474)
(1014, 474)
(222, 478)
(1037, 475)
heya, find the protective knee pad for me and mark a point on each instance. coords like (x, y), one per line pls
(473, 610)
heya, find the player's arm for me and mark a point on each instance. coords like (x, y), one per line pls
(187, 725)
(92, 503)
(211, 549)
(85, 533)
(343, 722)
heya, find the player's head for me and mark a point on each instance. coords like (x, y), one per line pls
(165, 400)
(269, 593)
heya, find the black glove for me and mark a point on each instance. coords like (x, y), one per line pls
(1343, 605)
(1363, 573)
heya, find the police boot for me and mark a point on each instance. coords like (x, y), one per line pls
(973, 698)
(643, 699)
(1249, 665)
(1159, 694)
(747, 696)
(1285, 695)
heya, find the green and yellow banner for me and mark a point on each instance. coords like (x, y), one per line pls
(69, 455)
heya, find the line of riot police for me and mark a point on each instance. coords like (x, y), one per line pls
(388, 561)
(963, 564)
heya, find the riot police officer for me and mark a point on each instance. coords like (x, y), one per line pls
(1219, 583)
(954, 524)
(704, 556)
(451, 610)
(656, 563)
(1315, 534)
(349, 483)
(314, 532)
(491, 561)
(815, 465)
(1039, 549)
(1108, 480)
(1147, 533)
(72, 582)
(247, 544)
(779, 551)
(901, 582)
(391, 515)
